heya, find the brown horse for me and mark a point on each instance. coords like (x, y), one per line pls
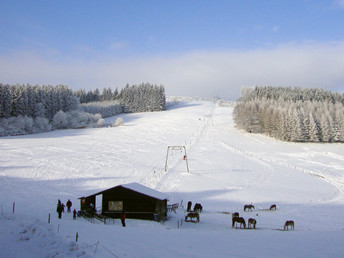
(235, 214)
(289, 223)
(273, 207)
(252, 222)
(192, 215)
(198, 207)
(249, 207)
(239, 220)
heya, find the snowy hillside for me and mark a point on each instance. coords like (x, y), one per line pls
(227, 169)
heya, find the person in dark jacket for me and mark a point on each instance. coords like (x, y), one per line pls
(123, 215)
(74, 214)
(59, 210)
(69, 205)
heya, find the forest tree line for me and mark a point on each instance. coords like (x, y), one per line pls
(292, 114)
(31, 109)
(136, 98)
(33, 101)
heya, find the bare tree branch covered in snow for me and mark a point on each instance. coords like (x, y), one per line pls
(292, 114)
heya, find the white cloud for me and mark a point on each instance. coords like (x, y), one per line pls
(205, 74)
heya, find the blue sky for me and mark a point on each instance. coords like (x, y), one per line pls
(193, 48)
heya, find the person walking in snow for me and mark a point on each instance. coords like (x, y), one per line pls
(59, 210)
(123, 218)
(69, 205)
(74, 214)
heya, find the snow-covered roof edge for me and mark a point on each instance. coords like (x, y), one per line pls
(145, 190)
(137, 188)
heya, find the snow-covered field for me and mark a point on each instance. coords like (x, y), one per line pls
(228, 169)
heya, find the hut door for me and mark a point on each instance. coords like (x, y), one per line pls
(99, 203)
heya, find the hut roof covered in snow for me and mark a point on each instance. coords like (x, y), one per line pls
(140, 189)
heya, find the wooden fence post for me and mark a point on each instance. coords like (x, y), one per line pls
(95, 251)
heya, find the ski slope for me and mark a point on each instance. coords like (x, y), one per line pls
(227, 169)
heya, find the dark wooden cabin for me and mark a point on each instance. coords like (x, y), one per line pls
(138, 201)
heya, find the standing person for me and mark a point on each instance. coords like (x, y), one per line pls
(123, 218)
(74, 214)
(59, 210)
(69, 205)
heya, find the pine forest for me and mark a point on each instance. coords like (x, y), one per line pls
(291, 114)
(26, 109)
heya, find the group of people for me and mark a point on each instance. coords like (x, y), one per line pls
(61, 208)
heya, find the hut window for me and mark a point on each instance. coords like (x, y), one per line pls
(115, 205)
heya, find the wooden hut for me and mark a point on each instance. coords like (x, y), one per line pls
(139, 202)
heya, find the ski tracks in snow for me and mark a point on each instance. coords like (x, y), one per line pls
(168, 181)
(271, 165)
(269, 170)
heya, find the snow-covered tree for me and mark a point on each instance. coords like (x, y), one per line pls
(60, 120)
(291, 114)
(119, 122)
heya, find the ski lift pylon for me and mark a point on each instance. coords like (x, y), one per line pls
(181, 148)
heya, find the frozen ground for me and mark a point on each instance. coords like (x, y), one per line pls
(228, 169)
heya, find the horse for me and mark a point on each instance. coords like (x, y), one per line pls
(198, 207)
(192, 215)
(289, 223)
(239, 220)
(252, 222)
(235, 214)
(273, 207)
(249, 207)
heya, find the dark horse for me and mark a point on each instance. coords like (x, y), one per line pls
(273, 207)
(198, 207)
(235, 214)
(289, 223)
(192, 215)
(252, 222)
(249, 207)
(189, 206)
(239, 220)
